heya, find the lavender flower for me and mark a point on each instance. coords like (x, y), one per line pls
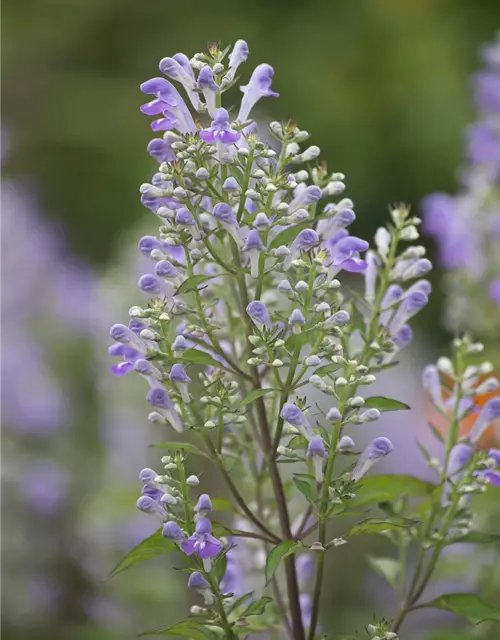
(209, 88)
(345, 255)
(150, 506)
(169, 103)
(377, 449)
(238, 56)
(345, 445)
(203, 543)
(198, 582)
(178, 68)
(203, 506)
(219, 130)
(225, 215)
(158, 397)
(466, 226)
(432, 384)
(181, 378)
(489, 413)
(258, 87)
(292, 415)
(172, 531)
(296, 320)
(316, 451)
(254, 246)
(259, 314)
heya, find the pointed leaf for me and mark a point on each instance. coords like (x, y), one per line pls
(390, 487)
(201, 357)
(306, 486)
(288, 235)
(256, 393)
(388, 568)
(186, 629)
(256, 608)
(222, 504)
(155, 545)
(467, 605)
(277, 554)
(373, 525)
(385, 404)
(478, 537)
(192, 283)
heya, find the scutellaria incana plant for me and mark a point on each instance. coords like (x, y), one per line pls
(466, 226)
(254, 346)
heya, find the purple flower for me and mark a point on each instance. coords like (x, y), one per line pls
(338, 319)
(306, 240)
(219, 130)
(179, 345)
(147, 476)
(345, 254)
(410, 306)
(295, 417)
(198, 582)
(160, 150)
(494, 291)
(166, 269)
(316, 450)
(230, 184)
(431, 382)
(129, 354)
(203, 506)
(489, 413)
(225, 215)
(487, 90)
(181, 378)
(238, 56)
(202, 542)
(304, 196)
(258, 87)
(147, 505)
(483, 145)
(209, 88)
(178, 68)
(168, 102)
(259, 314)
(147, 244)
(403, 336)
(172, 531)
(460, 456)
(158, 397)
(254, 245)
(152, 285)
(296, 320)
(377, 449)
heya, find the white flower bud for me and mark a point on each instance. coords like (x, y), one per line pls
(277, 363)
(193, 481)
(210, 424)
(156, 417)
(243, 152)
(136, 312)
(312, 361)
(485, 368)
(168, 499)
(356, 402)
(276, 128)
(475, 347)
(409, 233)
(316, 382)
(301, 286)
(488, 386)
(279, 343)
(333, 415)
(445, 365)
(367, 379)
(202, 174)
(341, 382)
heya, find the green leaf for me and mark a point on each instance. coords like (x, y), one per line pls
(287, 236)
(180, 446)
(256, 608)
(155, 545)
(277, 554)
(373, 525)
(306, 486)
(478, 537)
(186, 629)
(388, 568)
(222, 504)
(467, 605)
(201, 357)
(256, 393)
(192, 283)
(327, 368)
(385, 404)
(389, 487)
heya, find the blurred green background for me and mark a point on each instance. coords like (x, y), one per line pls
(382, 85)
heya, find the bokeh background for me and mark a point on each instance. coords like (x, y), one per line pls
(384, 87)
